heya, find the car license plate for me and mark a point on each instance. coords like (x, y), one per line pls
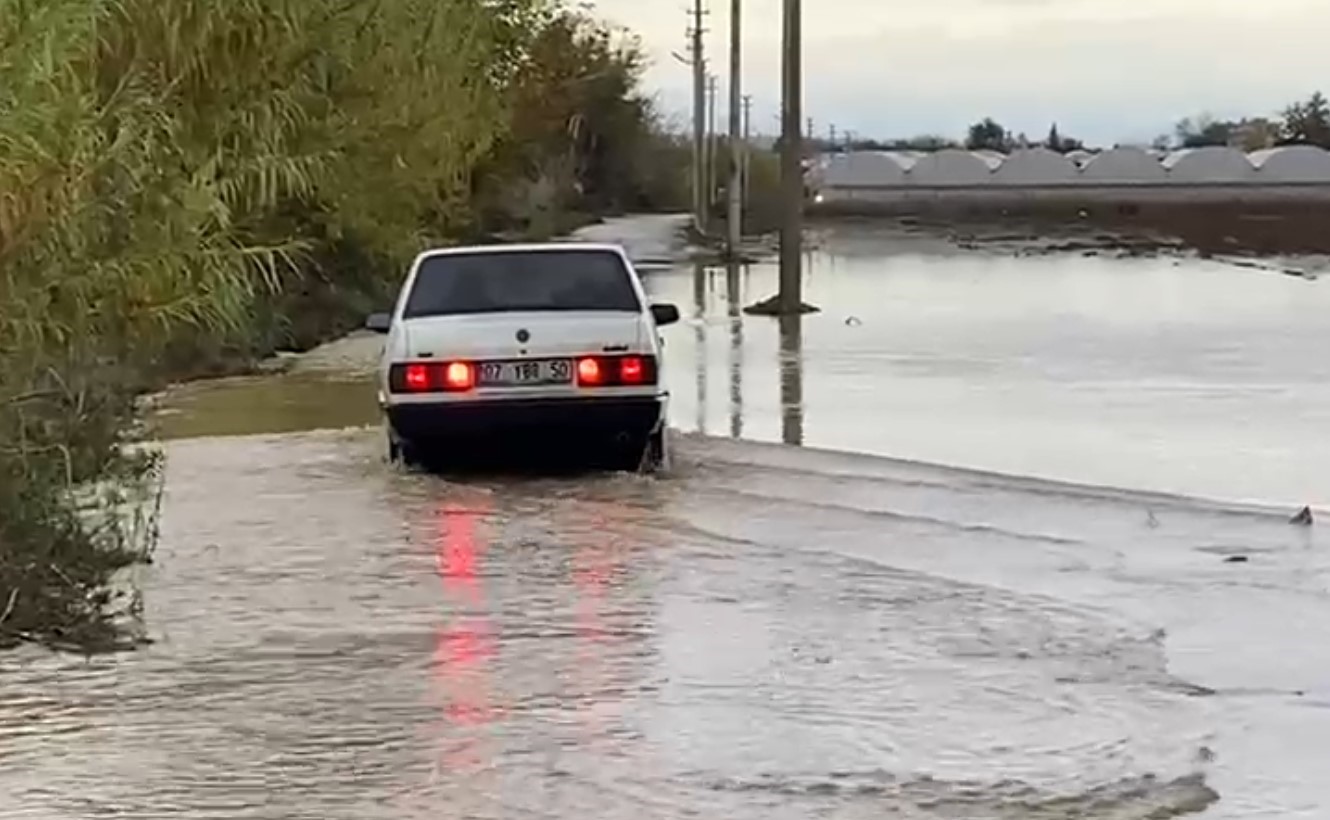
(524, 374)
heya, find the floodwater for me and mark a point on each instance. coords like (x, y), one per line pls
(767, 632)
(1172, 375)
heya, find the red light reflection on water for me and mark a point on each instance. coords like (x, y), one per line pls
(465, 645)
(602, 537)
(606, 536)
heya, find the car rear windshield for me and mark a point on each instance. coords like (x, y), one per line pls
(494, 282)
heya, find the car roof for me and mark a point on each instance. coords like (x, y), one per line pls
(528, 247)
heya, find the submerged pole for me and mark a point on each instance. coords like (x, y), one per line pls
(791, 169)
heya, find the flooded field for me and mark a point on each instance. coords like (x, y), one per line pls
(768, 631)
(1174, 375)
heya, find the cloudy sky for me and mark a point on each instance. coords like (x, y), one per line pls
(1104, 70)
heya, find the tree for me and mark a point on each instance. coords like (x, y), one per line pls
(1203, 130)
(581, 137)
(1054, 141)
(923, 142)
(1307, 123)
(1057, 142)
(988, 135)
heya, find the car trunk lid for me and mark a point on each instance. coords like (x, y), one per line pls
(499, 336)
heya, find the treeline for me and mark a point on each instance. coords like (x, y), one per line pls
(1301, 123)
(186, 185)
(986, 135)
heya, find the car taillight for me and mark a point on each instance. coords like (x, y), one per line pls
(616, 371)
(417, 378)
(432, 377)
(632, 370)
(590, 372)
(459, 376)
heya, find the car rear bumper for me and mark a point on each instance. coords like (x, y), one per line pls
(548, 421)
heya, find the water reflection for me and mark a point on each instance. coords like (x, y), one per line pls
(746, 343)
(466, 645)
(734, 295)
(592, 570)
(791, 380)
(700, 341)
(604, 616)
(547, 629)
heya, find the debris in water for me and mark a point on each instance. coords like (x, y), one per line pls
(1150, 520)
(853, 321)
(1304, 518)
(773, 307)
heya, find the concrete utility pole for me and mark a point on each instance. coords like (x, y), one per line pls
(738, 148)
(791, 169)
(713, 143)
(699, 118)
(746, 183)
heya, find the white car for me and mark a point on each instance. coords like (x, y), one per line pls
(542, 345)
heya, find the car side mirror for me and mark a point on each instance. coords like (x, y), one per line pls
(379, 322)
(665, 314)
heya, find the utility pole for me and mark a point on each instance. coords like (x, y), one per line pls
(699, 118)
(792, 155)
(747, 155)
(713, 143)
(738, 147)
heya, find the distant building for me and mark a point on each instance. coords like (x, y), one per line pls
(1124, 175)
(1253, 135)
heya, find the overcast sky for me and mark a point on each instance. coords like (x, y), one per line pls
(1105, 70)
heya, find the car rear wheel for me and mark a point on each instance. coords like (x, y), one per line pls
(645, 455)
(657, 456)
(403, 452)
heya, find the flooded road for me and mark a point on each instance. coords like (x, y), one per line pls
(767, 632)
